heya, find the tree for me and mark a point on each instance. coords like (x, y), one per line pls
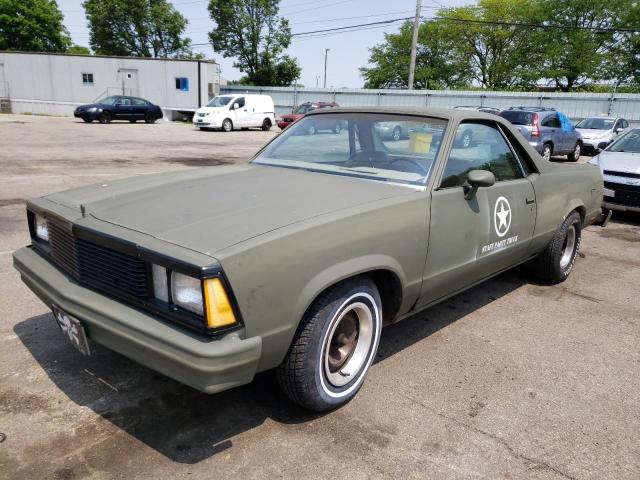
(140, 28)
(499, 55)
(78, 50)
(623, 62)
(576, 48)
(253, 33)
(436, 65)
(32, 25)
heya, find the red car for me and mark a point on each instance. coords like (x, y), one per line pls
(285, 120)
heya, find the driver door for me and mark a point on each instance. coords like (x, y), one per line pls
(473, 239)
(242, 116)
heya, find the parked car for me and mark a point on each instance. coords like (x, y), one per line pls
(620, 166)
(598, 132)
(548, 131)
(230, 112)
(297, 259)
(287, 119)
(475, 108)
(119, 107)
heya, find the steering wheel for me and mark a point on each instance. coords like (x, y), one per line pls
(421, 169)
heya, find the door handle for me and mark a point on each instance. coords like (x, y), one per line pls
(530, 200)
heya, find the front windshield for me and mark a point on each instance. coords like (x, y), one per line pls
(108, 101)
(219, 101)
(302, 109)
(629, 142)
(596, 123)
(384, 147)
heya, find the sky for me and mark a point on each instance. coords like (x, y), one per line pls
(347, 51)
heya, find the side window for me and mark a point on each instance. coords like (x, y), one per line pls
(182, 84)
(551, 121)
(240, 101)
(625, 124)
(125, 101)
(479, 146)
(139, 102)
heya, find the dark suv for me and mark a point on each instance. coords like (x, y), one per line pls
(548, 131)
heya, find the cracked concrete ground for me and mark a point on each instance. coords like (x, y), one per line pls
(513, 379)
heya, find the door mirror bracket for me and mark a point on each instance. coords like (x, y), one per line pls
(477, 179)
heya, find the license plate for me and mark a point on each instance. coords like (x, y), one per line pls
(72, 329)
(199, 120)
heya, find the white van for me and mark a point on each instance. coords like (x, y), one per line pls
(227, 112)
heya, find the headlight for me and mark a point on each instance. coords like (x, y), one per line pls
(186, 292)
(41, 227)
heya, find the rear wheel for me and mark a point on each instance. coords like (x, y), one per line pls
(227, 126)
(547, 151)
(266, 125)
(334, 346)
(575, 155)
(105, 117)
(556, 261)
(150, 118)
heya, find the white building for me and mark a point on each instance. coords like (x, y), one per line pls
(55, 84)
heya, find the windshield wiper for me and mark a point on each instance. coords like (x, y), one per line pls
(354, 170)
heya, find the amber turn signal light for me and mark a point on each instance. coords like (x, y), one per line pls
(218, 308)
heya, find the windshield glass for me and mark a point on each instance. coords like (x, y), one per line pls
(518, 117)
(108, 101)
(219, 102)
(596, 123)
(302, 109)
(629, 142)
(383, 147)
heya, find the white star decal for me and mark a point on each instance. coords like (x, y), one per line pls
(502, 216)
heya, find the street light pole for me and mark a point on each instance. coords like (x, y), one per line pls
(414, 43)
(326, 51)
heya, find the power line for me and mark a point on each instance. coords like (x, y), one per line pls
(380, 22)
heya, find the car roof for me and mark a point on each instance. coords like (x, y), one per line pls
(443, 113)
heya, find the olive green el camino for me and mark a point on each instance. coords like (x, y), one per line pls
(297, 259)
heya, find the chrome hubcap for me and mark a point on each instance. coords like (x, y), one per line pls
(348, 344)
(567, 249)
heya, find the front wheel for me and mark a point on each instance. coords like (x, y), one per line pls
(575, 155)
(105, 117)
(556, 261)
(334, 346)
(227, 126)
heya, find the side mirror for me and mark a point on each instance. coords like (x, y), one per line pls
(236, 106)
(618, 130)
(477, 179)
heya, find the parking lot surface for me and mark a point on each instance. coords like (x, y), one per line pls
(513, 379)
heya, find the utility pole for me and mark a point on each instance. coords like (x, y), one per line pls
(414, 43)
(326, 51)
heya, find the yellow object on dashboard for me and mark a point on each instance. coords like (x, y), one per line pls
(420, 142)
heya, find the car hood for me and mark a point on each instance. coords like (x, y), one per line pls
(209, 209)
(593, 132)
(624, 162)
(88, 106)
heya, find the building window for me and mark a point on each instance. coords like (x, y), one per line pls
(129, 76)
(182, 83)
(87, 78)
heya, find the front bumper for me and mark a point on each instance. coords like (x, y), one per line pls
(589, 145)
(284, 125)
(86, 115)
(209, 365)
(206, 122)
(607, 204)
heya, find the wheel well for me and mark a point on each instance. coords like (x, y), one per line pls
(267, 119)
(582, 212)
(390, 289)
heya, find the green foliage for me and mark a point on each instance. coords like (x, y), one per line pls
(252, 32)
(436, 64)
(140, 28)
(32, 25)
(78, 50)
(501, 44)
